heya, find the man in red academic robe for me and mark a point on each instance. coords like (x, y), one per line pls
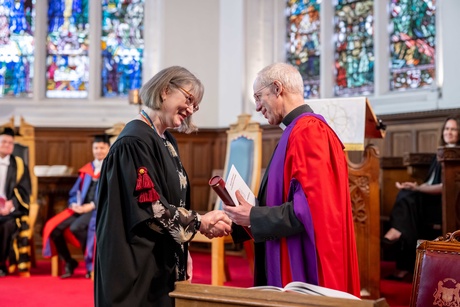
(303, 224)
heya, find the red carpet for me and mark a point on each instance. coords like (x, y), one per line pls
(43, 290)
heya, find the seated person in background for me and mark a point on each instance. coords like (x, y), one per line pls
(15, 190)
(418, 206)
(77, 217)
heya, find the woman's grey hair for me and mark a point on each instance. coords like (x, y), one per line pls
(442, 142)
(287, 74)
(173, 76)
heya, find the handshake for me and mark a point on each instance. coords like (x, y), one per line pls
(215, 224)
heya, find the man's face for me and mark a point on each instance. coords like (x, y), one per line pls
(100, 150)
(267, 102)
(6, 145)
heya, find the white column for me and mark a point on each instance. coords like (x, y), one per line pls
(231, 62)
(94, 51)
(447, 52)
(327, 50)
(381, 48)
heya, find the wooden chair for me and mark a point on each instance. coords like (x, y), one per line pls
(244, 150)
(25, 148)
(437, 273)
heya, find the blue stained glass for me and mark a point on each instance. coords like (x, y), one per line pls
(67, 61)
(354, 47)
(17, 26)
(303, 26)
(413, 44)
(122, 46)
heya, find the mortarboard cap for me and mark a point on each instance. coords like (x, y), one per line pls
(7, 131)
(104, 138)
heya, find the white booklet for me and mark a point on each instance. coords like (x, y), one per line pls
(235, 183)
(306, 288)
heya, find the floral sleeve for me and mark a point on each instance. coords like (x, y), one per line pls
(179, 222)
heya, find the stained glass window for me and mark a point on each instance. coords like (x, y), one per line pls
(412, 44)
(17, 26)
(122, 46)
(303, 24)
(354, 47)
(67, 62)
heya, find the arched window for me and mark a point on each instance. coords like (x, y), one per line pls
(17, 26)
(354, 47)
(122, 44)
(413, 44)
(303, 24)
(67, 61)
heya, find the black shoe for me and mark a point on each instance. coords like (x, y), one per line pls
(88, 274)
(3, 272)
(69, 268)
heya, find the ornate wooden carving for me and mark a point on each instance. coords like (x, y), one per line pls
(365, 198)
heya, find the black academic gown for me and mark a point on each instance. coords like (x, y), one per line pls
(18, 190)
(136, 266)
(413, 214)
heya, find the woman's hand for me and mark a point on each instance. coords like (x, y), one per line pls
(215, 224)
(413, 186)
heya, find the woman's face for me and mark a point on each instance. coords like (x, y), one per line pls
(178, 105)
(450, 132)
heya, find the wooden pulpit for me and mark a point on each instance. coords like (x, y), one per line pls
(197, 295)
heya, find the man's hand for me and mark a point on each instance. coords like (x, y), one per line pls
(85, 208)
(7, 208)
(239, 214)
(215, 224)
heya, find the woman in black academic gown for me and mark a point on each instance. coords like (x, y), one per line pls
(143, 216)
(418, 206)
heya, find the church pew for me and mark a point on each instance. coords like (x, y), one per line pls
(450, 161)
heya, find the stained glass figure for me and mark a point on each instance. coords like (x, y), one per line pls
(17, 26)
(122, 46)
(303, 42)
(412, 44)
(67, 62)
(354, 47)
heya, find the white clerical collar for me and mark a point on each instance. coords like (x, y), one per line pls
(5, 160)
(282, 126)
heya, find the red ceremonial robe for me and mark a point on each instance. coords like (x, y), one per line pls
(315, 165)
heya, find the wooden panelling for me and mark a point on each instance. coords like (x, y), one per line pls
(413, 132)
(203, 151)
(66, 146)
(197, 155)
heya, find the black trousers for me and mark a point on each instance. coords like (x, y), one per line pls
(78, 225)
(414, 214)
(8, 228)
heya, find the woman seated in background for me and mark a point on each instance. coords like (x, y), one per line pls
(417, 207)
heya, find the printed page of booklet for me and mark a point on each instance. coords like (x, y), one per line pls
(235, 183)
(303, 287)
(309, 289)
